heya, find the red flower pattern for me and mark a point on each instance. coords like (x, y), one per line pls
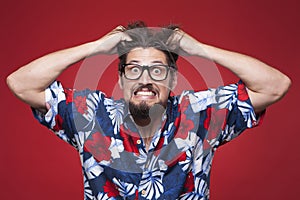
(69, 95)
(185, 125)
(215, 122)
(80, 104)
(129, 140)
(98, 145)
(189, 183)
(242, 92)
(110, 189)
(58, 123)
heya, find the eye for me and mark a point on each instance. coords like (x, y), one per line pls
(135, 70)
(156, 70)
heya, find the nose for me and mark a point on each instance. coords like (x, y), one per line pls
(145, 78)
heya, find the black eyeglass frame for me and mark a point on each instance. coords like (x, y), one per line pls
(146, 67)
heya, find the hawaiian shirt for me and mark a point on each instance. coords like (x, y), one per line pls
(115, 162)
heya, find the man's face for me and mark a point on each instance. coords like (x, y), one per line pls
(145, 90)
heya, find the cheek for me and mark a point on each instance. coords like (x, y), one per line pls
(165, 86)
(164, 91)
(126, 88)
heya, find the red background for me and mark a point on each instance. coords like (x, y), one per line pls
(263, 163)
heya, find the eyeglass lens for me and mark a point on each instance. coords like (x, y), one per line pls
(156, 72)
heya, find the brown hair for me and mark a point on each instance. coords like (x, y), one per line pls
(145, 37)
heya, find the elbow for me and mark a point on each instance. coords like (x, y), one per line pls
(18, 88)
(283, 86)
(14, 85)
(11, 83)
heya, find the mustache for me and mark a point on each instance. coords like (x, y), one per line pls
(145, 86)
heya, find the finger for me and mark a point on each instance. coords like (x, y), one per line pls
(174, 38)
(126, 37)
(120, 28)
(117, 30)
(47, 106)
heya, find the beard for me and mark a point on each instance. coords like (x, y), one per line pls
(139, 111)
(143, 114)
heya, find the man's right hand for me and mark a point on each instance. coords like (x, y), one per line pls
(30, 81)
(108, 43)
(185, 45)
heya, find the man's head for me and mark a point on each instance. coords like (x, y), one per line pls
(145, 37)
(147, 69)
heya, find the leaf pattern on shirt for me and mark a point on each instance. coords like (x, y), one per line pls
(113, 153)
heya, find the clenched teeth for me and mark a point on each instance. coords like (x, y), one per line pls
(145, 93)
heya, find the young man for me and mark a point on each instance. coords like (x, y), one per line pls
(148, 145)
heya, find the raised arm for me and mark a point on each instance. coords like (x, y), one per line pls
(265, 84)
(29, 82)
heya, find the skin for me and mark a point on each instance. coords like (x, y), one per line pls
(161, 89)
(265, 84)
(138, 91)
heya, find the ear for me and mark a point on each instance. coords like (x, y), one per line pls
(120, 81)
(173, 81)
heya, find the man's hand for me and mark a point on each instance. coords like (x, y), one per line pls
(108, 43)
(184, 44)
(265, 84)
(30, 81)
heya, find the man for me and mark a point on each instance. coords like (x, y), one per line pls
(149, 145)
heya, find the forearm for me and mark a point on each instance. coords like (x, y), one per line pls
(258, 76)
(29, 82)
(266, 85)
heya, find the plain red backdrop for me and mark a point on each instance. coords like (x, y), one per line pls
(261, 164)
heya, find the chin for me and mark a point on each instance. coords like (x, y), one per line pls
(141, 101)
(147, 102)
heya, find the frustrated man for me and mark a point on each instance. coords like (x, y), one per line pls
(149, 144)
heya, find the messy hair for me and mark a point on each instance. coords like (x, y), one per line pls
(145, 37)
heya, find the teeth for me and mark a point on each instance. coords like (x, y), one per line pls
(145, 93)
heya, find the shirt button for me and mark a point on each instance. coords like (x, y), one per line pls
(138, 141)
(143, 192)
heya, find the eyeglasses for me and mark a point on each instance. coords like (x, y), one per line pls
(157, 72)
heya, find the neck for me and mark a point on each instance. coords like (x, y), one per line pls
(147, 129)
(148, 126)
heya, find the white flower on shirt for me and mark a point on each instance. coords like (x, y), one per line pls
(125, 189)
(151, 183)
(116, 113)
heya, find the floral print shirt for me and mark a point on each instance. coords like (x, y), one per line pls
(115, 162)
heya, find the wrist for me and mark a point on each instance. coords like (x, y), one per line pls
(200, 49)
(95, 47)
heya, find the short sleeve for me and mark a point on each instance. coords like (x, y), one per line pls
(73, 114)
(58, 118)
(240, 114)
(225, 112)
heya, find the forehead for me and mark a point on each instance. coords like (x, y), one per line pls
(146, 55)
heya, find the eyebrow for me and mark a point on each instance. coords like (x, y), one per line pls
(133, 61)
(157, 61)
(154, 62)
